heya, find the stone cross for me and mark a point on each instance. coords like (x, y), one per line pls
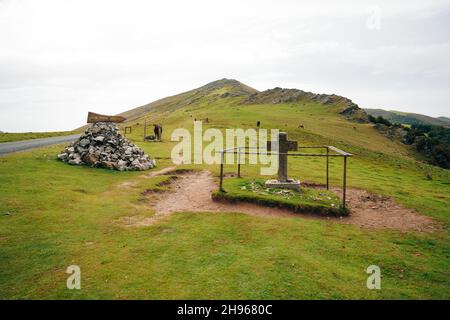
(284, 145)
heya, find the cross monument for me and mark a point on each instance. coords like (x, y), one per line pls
(284, 146)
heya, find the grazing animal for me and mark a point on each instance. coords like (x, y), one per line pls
(157, 129)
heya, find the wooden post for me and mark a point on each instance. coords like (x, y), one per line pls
(344, 188)
(221, 173)
(145, 128)
(127, 130)
(239, 162)
(328, 169)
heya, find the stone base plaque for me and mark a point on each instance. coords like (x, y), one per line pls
(288, 184)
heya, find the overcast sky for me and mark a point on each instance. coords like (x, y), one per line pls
(59, 59)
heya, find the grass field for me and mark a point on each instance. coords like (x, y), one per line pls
(53, 215)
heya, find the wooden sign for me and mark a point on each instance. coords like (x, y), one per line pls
(95, 117)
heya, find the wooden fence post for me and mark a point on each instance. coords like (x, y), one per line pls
(221, 172)
(328, 169)
(344, 189)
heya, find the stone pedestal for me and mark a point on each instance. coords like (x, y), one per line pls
(288, 184)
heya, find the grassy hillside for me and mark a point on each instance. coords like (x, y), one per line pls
(322, 122)
(170, 104)
(408, 118)
(53, 215)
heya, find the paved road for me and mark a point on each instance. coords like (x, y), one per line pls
(9, 147)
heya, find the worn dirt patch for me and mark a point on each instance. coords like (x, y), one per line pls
(151, 174)
(192, 192)
(127, 185)
(159, 185)
(139, 221)
(375, 211)
(166, 170)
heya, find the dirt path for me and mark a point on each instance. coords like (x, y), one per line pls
(131, 184)
(374, 211)
(192, 192)
(160, 172)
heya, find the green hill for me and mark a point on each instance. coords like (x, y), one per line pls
(53, 215)
(325, 118)
(220, 88)
(409, 118)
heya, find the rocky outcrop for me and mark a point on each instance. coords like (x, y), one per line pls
(102, 145)
(394, 132)
(354, 113)
(279, 95)
(276, 95)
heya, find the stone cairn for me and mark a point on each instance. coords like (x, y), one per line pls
(102, 145)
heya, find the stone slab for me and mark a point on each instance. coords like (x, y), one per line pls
(288, 184)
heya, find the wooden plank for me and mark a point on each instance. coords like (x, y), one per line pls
(339, 151)
(95, 117)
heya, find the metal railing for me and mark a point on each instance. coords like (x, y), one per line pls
(330, 151)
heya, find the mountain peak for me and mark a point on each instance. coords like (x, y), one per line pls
(234, 87)
(221, 88)
(223, 82)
